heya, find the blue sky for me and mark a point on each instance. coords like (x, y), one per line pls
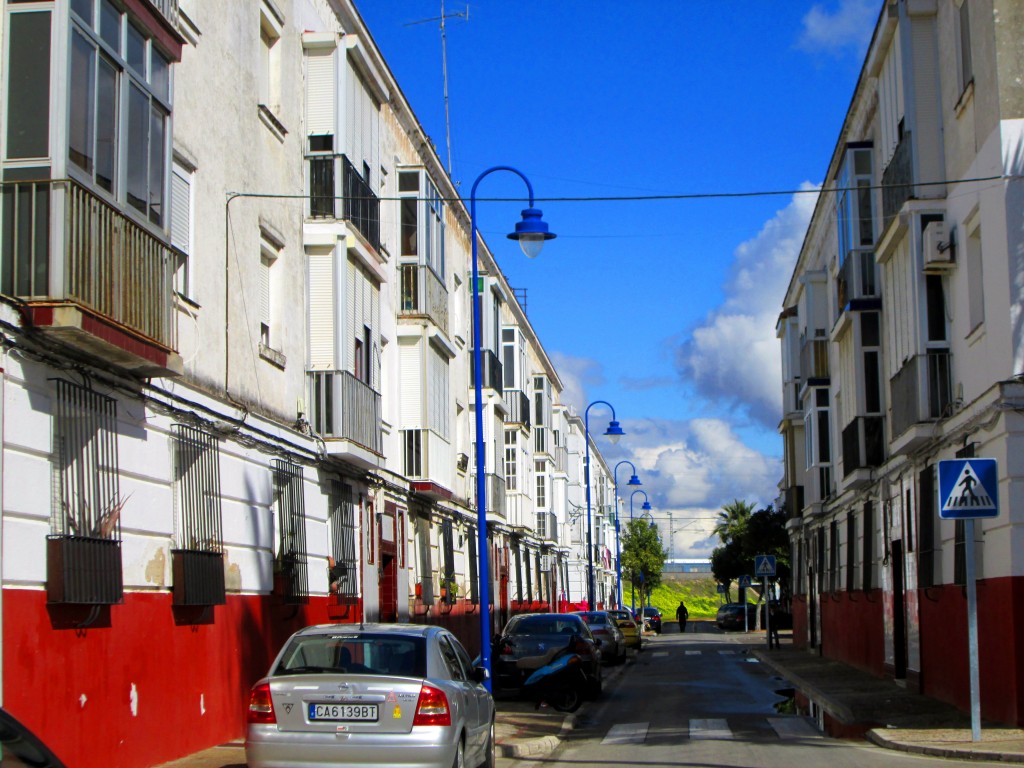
(664, 308)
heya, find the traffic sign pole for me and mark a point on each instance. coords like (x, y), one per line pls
(767, 613)
(972, 629)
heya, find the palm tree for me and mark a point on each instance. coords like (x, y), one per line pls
(732, 519)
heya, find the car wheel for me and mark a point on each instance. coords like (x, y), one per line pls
(490, 761)
(460, 756)
(566, 698)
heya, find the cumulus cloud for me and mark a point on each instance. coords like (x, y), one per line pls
(732, 358)
(844, 28)
(577, 375)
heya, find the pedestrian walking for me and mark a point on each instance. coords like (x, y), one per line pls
(682, 614)
(773, 627)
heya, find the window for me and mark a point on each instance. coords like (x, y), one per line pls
(851, 550)
(964, 47)
(341, 522)
(422, 221)
(926, 528)
(868, 561)
(854, 219)
(270, 58)
(197, 489)
(291, 522)
(269, 252)
(511, 460)
(181, 227)
(975, 279)
(542, 484)
(474, 587)
(508, 357)
(448, 565)
(119, 110)
(28, 85)
(426, 569)
(833, 556)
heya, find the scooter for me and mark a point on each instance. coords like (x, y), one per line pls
(560, 683)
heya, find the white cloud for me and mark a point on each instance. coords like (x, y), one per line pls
(577, 375)
(846, 28)
(733, 357)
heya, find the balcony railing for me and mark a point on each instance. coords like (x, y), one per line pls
(863, 443)
(814, 359)
(426, 456)
(921, 391)
(495, 489)
(561, 458)
(360, 206)
(897, 179)
(856, 280)
(83, 570)
(423, 295)
(547, 526)
(169, 9)
(794, 502)
(198, 577)
(517, 403)
(492, 370)
(98, 258)
(343, 407)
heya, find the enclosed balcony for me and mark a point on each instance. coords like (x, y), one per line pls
(492, 370)
(897, 180)
(863, 448)
(423, 295)
(517, 406)
(794, 496)
(547, 526)
(857, 283)
(427, 462)
(359, 205)
(90, 276)
(814, 368)
(495, 490)
(921, 393)
(346, 413)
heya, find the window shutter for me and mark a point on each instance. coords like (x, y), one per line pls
(181, 210)
(265, 291)
(321, 311)
(412, 385)
(320, 90)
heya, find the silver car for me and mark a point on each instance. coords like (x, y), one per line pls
(371, 694)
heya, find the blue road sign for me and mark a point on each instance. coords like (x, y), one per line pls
(968, 488)
(721, 589)
(764, 565)
(744, 582)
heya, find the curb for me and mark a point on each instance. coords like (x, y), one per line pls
(542, 746)
(878, 737)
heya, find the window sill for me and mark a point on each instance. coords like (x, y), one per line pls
(272, 356)
(276, 127)
(965, 98)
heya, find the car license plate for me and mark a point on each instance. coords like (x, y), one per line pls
(343, 712)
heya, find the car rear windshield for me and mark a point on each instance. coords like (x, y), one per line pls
(594, 618)
(366, 654)
(544, 625)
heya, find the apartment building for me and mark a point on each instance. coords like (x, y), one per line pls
(901, 347)
(236, 336)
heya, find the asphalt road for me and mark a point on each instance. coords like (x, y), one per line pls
(699, 700)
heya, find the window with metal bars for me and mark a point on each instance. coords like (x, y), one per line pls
(851, 551)
(833, 557)
(198, 557)
(426, 569)
(84, 548)
(448, 589)
(529, 575)
(926, 528)
(869, 547)
(474, 586)
(519, 572)
(344, 567)
(291, 515)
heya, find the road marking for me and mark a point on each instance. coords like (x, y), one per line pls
(710, 728)
(727, 653)
(626, 733)
(693, 653)
(793, 728)
(660, 653)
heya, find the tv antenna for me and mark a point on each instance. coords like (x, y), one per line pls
(444, 69)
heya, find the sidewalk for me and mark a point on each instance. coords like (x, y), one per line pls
(886, 713)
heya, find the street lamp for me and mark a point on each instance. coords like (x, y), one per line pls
(531, 233)
(614, 432)
(633, 480)
(646, 507)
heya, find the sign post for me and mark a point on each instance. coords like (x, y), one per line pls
(764, 566)
(968, 489)
(744, 585)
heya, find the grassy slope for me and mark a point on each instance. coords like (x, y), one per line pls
(700, 595)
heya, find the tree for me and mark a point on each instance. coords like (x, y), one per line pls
(643, 555)
(746, 534)
(732, 520)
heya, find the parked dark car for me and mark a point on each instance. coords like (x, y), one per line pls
(651, 617)
(605, 628)
(730, 616)
(531, 640)
(19, 746)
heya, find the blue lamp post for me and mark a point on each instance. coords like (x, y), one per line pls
(633, 480)
(613, 433)
(646, 507)
(531, 233)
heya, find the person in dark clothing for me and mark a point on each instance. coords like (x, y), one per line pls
(773, 627)
(682, 614)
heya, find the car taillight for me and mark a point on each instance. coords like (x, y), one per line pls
(506, 650)
(432, 707)
(261, 706)
(581, 647)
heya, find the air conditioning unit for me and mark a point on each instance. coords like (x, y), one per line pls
(936, 249)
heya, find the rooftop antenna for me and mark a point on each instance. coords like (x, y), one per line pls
(444, 69)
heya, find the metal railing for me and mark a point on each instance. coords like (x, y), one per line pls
(359, 205)
(863, 443)
(105, 261)
(896, 180)
(83, 570)
(547, 526)
(856, 279)
(517, 403)
(198, 577)
(346, 408)
(169, 9)
(423, 294)
(495, 493)
(492, 370)
(922, 390)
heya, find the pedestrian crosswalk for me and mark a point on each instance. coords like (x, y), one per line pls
(715, 728)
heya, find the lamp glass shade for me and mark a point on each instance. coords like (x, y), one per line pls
(646, 506)
(614, 431)
(531, 232)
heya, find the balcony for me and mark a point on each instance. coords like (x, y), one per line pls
(863, 448)
(359, 205)
(495, 489)
(921, 393)
(91, 277)
(492, 370)
(547, 526)
(541, 441)
(346, 412)
(517, 404)
(198, 577)
(814, 368)
(83, 570)
(169, 10)
(427, 463)
(856, 285)
(423, 295)
(794, 496)
(561, 454)
(897, 180)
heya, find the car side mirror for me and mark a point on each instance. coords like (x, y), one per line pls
(480, 675)
(597, 642)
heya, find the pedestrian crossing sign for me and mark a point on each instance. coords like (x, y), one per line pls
(743, 582)
(764, 565)
(968, 488)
